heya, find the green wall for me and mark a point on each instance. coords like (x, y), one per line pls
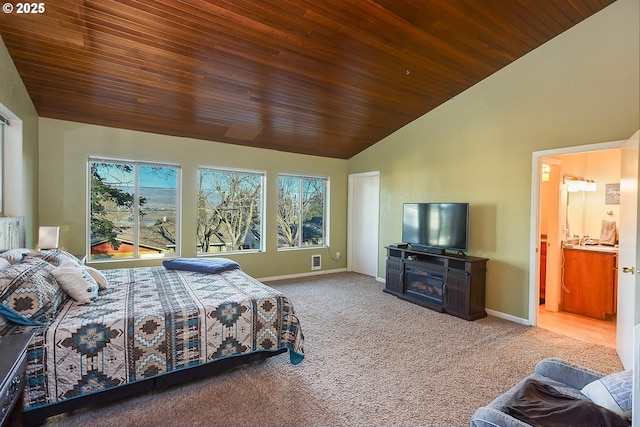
(64, 150)
(14, 97)
(579, 88)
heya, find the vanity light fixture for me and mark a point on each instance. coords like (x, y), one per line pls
(579, 184)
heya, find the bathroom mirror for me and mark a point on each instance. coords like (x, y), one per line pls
(576, 212)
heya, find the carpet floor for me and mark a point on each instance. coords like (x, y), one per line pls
(371, 360)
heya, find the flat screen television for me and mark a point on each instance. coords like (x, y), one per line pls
(436, 226)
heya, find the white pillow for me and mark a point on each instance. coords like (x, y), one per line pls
(98, 276)
(612, 392)
(14, 256)
(4, 264)
(76, 282)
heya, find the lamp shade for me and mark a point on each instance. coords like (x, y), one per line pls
(48, 237)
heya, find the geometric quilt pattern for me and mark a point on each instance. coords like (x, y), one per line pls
(150, 321)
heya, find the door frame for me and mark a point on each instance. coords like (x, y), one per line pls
(552, 294)
(350, 219)
(534, 236)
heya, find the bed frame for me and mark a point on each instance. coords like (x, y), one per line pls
(37, 416)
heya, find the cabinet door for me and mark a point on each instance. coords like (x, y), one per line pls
(456, 300)
(588, 286)
(395, 274)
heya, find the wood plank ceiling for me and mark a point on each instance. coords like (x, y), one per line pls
(321, 77)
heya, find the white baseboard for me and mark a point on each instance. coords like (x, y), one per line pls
(509, 317)
(295, 276)
(381, 279)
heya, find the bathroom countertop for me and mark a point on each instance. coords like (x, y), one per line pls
(593, 248)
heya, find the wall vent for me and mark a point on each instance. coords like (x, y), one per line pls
(316, 262)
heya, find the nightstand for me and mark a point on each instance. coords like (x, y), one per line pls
(13, 365)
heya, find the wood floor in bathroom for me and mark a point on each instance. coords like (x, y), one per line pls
(596, 331)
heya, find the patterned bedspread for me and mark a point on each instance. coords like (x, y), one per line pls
(152, 321)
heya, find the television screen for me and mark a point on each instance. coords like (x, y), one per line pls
(439, 225)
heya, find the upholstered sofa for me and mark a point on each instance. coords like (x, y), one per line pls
(561, 393)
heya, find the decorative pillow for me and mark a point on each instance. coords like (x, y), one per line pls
(612, 392)
(76, 282)
(29, 294)
(98, 276)
(540, 405)
(53, 256)
(4, 264)
(14, 256)
(203, 265)
(9, 274)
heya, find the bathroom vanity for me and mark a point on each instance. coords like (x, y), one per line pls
(590, 280)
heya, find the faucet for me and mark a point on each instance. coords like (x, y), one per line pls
(583, 240)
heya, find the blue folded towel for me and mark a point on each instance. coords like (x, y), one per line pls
(202, 265)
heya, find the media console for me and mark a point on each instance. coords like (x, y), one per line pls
(453, 284)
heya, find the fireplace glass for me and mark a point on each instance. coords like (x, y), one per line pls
(425, 284)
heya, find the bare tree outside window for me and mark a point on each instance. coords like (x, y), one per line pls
(229, 210)
(301, 211)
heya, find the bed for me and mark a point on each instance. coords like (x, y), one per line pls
(125, 331)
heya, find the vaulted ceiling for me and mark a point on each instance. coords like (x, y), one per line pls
(321, 77)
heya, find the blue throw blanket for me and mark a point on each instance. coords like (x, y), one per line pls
(202, 265)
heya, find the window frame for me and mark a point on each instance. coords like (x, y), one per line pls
(136, 164)
(263, 211)
(325, 213)
(4, 126)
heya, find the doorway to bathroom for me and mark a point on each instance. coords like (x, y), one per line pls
(573, 205)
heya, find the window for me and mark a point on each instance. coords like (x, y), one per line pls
(134, 209)
(230, 210)
(302, 207)
(3, 122)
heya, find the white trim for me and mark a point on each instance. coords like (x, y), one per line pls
(232, 169)
(103, 159)
(509, 317)
(12, 198)
(534, 228)
(296, 276)
(301, 175)
(302, 248)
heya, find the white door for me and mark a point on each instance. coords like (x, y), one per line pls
(362, 225)
(627, 255)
